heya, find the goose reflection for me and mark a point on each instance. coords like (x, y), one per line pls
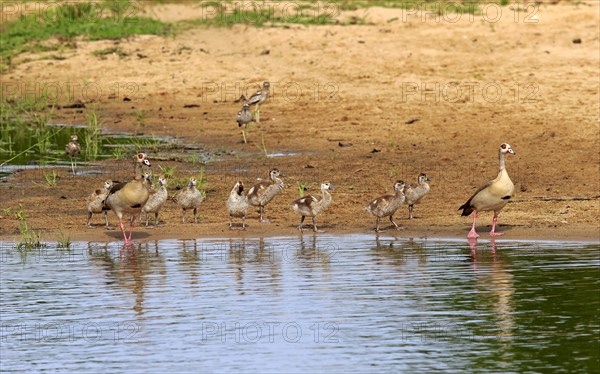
(254, 258)
(190, 259)
(492, 275)
(311, 253)
(128, 268)
(400, 251)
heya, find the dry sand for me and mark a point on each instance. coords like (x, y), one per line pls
(470, 85)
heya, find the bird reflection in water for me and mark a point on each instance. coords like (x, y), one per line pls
(190, 259)
(254, 258)
(493, 276)
(130, 267)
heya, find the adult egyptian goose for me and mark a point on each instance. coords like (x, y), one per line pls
(415, 192)
(387, 205)
(95, 203)
(244, 117)
(311, 206)
(73, 148)
(156, 200)
(493, 195)
(189, 198)
(237, 204)
(258, 98)
(263, 192)
(129, 197)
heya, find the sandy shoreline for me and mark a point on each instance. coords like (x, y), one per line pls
(354, 81)
(584, 235)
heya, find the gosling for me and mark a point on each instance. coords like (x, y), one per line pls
(156, 200)
(95, 203)
(415, 192)
(311, 206)
(237, 204)
(387, 205)
(189, 198)
(263, 192)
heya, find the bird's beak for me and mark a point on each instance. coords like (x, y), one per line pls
(331, 187)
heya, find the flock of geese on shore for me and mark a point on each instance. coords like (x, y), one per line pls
(139, 196)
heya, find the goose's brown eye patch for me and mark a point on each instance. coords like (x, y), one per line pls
(503, 146)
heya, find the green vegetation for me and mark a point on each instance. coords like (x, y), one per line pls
(168, 171)
(109, 51)
(25, 120)
(222, 14)
(470, 6)
(302, 188)
(29, 239)
(53, 27)
(51, 178)
(140, 118)
(202, 182)
(26, 134)
(118, 153)
(64, 241)
(92, 136)
(262, 147)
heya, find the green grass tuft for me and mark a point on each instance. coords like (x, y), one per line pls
(115, 19)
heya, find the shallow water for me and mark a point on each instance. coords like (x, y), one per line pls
(21, 148)
(302, 304)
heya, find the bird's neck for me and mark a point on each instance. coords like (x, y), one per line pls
(501, 159)
(278, 182)
(326, 198)
(137, 169)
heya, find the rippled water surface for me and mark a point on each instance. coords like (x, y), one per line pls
(302, 304)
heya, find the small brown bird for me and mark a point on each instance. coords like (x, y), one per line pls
(415, 192)
(73, 148)
(156, 200)
(311, 206)
(95, 203)
(189, 198)
(387, 205)
(258, 98)
(263, 192)
(237, 204)
(244, 117)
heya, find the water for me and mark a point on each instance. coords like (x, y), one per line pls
(21, 147)
(351, 304)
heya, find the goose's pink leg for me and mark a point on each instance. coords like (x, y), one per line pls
(472, 233)
(493, 232)
(132, 222)
(123, 231)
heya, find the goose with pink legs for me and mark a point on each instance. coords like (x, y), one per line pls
(491, 196)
